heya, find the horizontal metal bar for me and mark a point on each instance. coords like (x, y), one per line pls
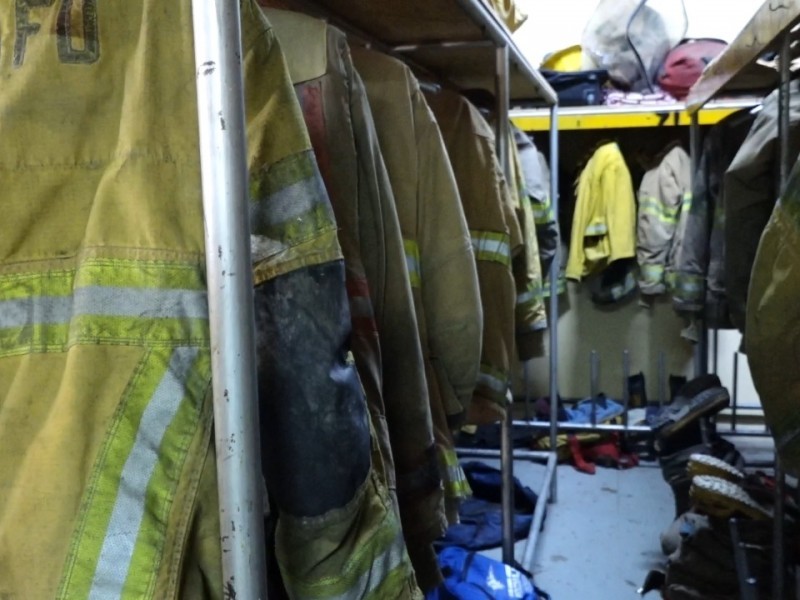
(739, 433)
(566, 426)
(484, 17)
(442, 46)
(490, 453)
(538, 514)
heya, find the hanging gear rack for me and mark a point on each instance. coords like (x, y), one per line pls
(222, 147)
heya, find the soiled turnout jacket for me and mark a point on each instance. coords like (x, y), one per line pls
(772, 336)
(439, 253)
(665, 192)
(530, 317)
(604, 224)
(699, 262)
(751, 188)
(107, 469)
(496, 236)
(337, 112)
(536, 175)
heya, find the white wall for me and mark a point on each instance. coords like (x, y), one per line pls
(556, 24)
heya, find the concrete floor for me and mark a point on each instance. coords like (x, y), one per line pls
(602, 535)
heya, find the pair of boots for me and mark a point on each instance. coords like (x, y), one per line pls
(702, 560)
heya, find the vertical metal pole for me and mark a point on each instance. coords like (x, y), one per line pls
(526, 382)
(626, 397)
(784, 99)
(506, 452)
(662, 378)
(507, 472)
(220, 100)
(593, 382)
(747, 583)
(555, 268)
(701, 348)
(735, 398)
(715, 356)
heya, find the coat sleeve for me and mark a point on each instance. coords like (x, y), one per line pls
(530, 318)
(576, 262)
(620, 212)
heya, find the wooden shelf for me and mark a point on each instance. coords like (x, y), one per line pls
(454, 40)
(737, 67)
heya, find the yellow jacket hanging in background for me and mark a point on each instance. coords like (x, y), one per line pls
(604, 225)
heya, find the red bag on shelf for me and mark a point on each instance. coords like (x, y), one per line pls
(685, 63)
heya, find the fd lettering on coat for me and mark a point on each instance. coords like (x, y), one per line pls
(77, 39)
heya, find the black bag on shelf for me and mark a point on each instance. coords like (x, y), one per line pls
(578, 88)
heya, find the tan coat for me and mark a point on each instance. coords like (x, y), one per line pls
(664, 195)
(772, 336)
(496, 237)
(438, 248)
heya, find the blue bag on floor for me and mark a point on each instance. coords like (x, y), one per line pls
(471, 576)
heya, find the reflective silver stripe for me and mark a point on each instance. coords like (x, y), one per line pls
(596, 229)
(492, 382)
(412, 264)
(534, 293)
(126, 516)
(41, 310)
(143, 303)
(375, 575)
(525, 297)
(289, 203)
(495, 246)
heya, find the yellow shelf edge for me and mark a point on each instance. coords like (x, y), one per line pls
(605, 120)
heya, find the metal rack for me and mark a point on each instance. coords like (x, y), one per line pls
(772, 28)
(462, 42)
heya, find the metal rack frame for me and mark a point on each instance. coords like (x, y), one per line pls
(218, 61)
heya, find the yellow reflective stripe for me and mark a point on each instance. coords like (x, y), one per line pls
(119, 538)
(412, 262)
(291, 220)
(542, 212)
(454, 478)
(652, 273)
(689, 285)
(491, 246)
(364, 574)
(657, 209)
(272, 259)
(533, 293)
(561, 287)
(103, 301)
(289, 202)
